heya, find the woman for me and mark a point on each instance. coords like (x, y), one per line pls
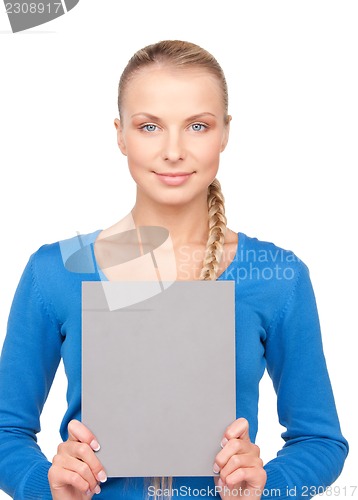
(173, 124)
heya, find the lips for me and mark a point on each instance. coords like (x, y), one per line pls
(174, 178)
(174, 174)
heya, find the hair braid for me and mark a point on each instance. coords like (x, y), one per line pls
(217, 230)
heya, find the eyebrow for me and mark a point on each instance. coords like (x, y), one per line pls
(156, 118)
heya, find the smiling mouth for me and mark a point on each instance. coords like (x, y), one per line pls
(174, 178)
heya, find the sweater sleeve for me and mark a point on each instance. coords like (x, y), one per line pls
(28, 363)
(315, 450)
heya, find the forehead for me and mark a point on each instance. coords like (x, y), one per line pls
(191, 89)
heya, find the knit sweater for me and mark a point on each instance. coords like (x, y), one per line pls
(276, 327)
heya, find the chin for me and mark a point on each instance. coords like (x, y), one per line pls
(172, 200)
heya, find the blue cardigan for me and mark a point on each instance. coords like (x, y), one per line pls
(277, 327)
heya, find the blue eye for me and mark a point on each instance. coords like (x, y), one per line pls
(198, 127)
(149, 127)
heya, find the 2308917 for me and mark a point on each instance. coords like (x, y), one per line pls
(330, 491)
(32, 8)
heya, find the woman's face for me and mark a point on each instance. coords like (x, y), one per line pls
(172, 130)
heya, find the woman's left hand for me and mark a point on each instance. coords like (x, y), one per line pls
(239, 464)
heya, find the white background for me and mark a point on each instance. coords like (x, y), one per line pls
(287, 174)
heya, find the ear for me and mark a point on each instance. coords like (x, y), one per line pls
(120, 137)
(226, 133)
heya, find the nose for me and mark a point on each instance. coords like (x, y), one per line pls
(173, 147)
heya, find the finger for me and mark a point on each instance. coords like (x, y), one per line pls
(83, 452)
(253, 477)
(234, 447)
(238, 429)
(77, 431)
(59, 477)
(239, 462)
(81, 468)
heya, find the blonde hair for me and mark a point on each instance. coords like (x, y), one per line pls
(185, 55)
(174, 54)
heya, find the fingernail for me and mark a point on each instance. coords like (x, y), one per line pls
(88, 492)
(223, 442)
(102, 476)
(95, 445)
(216, 468)
(220, 482)
(97, 490)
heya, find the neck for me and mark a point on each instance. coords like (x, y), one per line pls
(187, 224)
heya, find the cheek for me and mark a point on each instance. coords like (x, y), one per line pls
(137, 155)
(140, 152)
(210, 151)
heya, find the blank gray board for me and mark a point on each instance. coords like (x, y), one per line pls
(158, 376)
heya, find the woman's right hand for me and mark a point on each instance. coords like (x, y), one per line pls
(76, 472)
